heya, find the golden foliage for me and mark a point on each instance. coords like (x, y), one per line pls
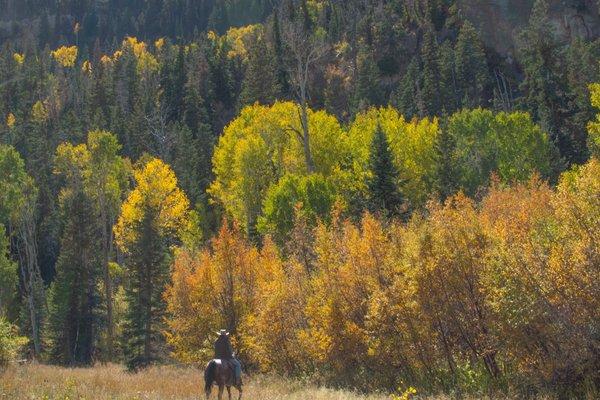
(156, 192)
(159, 43)
(86, 67)
(467, 291)
(11, 120)
(210, 290)
(39, 112)
(594, 126)
(66, 56)
(146, 62)
(19, 58)
(239, 39)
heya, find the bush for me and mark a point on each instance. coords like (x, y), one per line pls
(10, 342)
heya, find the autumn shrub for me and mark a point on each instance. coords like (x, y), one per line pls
(468, 297)
(10, 342)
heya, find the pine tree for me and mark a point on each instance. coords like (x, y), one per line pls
(471, 68)
(409, 97)
(543, 85)
(73, 295)
(260, 78)
(367, 90)
(173, 84)
(383, 184)
(431, 73)
(152, 220)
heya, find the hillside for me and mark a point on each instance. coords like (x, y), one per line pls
(378, 195)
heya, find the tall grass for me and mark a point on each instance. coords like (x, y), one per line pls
(104, 382)
(42, 382)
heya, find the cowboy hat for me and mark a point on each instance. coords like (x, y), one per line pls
(223, 332)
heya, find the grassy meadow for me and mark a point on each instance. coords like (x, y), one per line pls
(43, 382)
(113, 382)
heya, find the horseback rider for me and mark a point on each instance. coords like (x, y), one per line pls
(224, 351)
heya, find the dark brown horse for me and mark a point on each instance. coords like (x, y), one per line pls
(221, 373)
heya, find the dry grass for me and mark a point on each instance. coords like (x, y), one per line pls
(37, 382)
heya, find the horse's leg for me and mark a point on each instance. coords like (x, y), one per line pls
(207, 391)
(221, 387)
(239, 388)
(229, 392)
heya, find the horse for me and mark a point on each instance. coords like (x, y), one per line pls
(220, 373)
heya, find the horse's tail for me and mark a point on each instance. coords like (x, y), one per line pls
(209, 375)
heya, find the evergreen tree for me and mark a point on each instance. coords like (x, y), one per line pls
(409, 97)
(431, 73)
(449, 98)
(543, 85)
(383, 184)
(260, 77)
(152, 219)
(173, 85)
(8, 275)
(73, 295)
(471, 68)
(367, 88)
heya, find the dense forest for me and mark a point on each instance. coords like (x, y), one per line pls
(375, 194)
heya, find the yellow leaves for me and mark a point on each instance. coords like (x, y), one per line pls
(10, 120)
(39, 112)
(106, 60)
(156, 196)
(210, 290)
(19, 58)
(263, 144)
(212, 36)
(65, 56)
(145, 60)
(413, 144)
(86, 67)
(159, 44)
(238, 39)
(407, 394)
(594, 126)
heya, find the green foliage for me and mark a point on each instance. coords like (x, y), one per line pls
(368, 91)
(544, 83)
(14, 183)
(508, 144)
(263, 144)
(10, 342)
(260, 80)
(8, 275)
(412, 143)
(383, 180)
(471, 68)
(594, 126)
(310, 197)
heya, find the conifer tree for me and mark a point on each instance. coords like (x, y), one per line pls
(73, 295)
(543, 85)
(409, 97)
(471, 68)
(153, 218)
(431, 73)
(383, 184)
(260, 77)
(367, 92)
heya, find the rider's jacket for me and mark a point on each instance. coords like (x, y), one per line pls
(223, 349)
